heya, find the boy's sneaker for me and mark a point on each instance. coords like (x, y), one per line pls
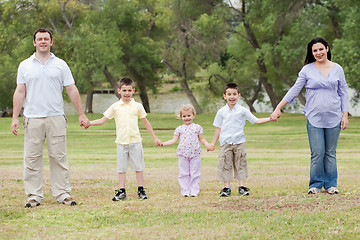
(142, 194)
(332, 190)
(226, 192)
(119, 195)
(244, 191)
(32, 203)
(69, 201)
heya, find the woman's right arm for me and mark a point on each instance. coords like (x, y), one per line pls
(292, 93)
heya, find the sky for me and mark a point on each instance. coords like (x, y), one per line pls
(236, 3)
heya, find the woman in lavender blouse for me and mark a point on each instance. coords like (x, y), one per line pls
(326, 110)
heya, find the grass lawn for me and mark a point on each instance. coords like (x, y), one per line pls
(278, 207)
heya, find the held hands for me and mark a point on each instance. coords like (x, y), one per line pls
(158, 142)
(84, 121)
(85, 124)
(209, 147)
(275, 115)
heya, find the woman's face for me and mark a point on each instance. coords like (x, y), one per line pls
(319, 52)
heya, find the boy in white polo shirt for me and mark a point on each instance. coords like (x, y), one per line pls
(230, 122)
(129, 143)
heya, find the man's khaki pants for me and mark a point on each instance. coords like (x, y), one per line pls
(54, 130)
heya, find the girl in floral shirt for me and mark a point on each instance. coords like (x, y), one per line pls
(188, 151)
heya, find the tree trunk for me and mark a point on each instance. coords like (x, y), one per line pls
(188, 91)
(142, 92)
(264, 81)
(191, 96)
(260, 61)
(251, 106)
(89, 101)
(301, 97)
(335, 18)
(113, 81)
(289, 82)
(140, 82)
(145, 101)
(184, 85)
(251, 101)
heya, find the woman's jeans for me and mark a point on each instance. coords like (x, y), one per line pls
(323, 143)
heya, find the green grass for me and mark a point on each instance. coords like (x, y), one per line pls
(278, 207)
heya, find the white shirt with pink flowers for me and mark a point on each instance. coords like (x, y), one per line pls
(189, 145)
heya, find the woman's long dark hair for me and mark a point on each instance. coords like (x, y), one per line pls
(309, 55)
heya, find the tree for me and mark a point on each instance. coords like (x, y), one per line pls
(262, 24)
(195, 37)
(267, 45)
(15, 45)
(346, 50)
(119, 43)
(64, 17)
(238, 68)
(260, 45)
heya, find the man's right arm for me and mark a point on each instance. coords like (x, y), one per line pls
(18, 100)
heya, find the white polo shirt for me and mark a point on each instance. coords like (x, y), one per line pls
(44, 85)
(232, 123)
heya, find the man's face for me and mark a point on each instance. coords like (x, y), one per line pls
(42, 42)
(126, 92)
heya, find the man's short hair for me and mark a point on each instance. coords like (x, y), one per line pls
(42, 30)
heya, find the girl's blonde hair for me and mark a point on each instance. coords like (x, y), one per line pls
(187, 107)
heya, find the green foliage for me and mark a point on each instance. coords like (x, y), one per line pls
(346, 50)
(197, 37)
(7, 82)
(91, 53)
(15, 18)
(290, 52)
(131, 37)
(210, 30)
(175, 89)
(115, 37)
(281, 31)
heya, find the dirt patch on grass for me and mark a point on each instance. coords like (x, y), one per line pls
(305, 203)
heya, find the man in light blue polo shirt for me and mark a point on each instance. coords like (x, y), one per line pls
(40, 82)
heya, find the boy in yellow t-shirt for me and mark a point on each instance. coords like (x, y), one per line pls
(128, 139)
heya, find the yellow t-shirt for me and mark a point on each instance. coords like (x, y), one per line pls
(126, 117)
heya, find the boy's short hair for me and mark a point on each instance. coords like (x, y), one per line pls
(126, 82)
(42, 30)
(187, 107)
(232, 86)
